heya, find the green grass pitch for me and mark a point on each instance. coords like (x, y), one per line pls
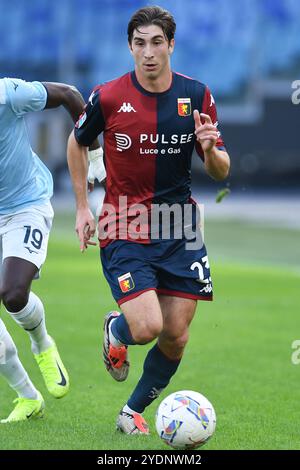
(239, 354)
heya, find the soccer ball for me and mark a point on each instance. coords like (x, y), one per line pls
(185, 420)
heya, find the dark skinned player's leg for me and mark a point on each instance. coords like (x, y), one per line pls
(24, 306)
(17, 275)
(28, 311)
(11, 367)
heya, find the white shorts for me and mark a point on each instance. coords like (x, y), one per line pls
(25, 234)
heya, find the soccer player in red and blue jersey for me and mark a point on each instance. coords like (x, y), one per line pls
(152, 119)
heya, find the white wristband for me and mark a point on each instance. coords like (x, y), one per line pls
(95, 154)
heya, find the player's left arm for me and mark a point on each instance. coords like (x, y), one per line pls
(209, 142)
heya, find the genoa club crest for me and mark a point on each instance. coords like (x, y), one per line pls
(184, 106)
(126, 282)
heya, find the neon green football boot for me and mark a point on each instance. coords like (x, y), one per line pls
(53, 371)
(25, 409)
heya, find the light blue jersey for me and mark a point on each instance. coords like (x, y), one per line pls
(24, 179)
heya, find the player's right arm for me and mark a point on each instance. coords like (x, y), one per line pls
(61, 94)
(89, 125)
(24, 97)
(78, 167)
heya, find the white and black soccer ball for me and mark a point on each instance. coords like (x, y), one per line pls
(185, 420)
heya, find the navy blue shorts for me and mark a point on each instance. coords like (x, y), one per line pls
(165, 266)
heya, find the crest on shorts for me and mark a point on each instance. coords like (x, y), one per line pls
(126, 282)
(184, 106)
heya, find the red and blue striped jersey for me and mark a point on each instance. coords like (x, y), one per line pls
(148, 138)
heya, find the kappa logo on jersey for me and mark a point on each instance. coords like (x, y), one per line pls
(212, 101)
(126, 108)
(126, 282)
(184, 106)
(81, 120)
(91, 98)
(123, 142)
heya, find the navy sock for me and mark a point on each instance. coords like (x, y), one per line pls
(158, 370)
(121, 331)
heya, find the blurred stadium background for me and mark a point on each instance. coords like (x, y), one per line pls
(248, 52)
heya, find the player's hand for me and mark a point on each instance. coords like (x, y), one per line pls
(96, 167)
(85, 228)
(206, 134)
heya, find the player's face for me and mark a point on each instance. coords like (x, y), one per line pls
(151, 51)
